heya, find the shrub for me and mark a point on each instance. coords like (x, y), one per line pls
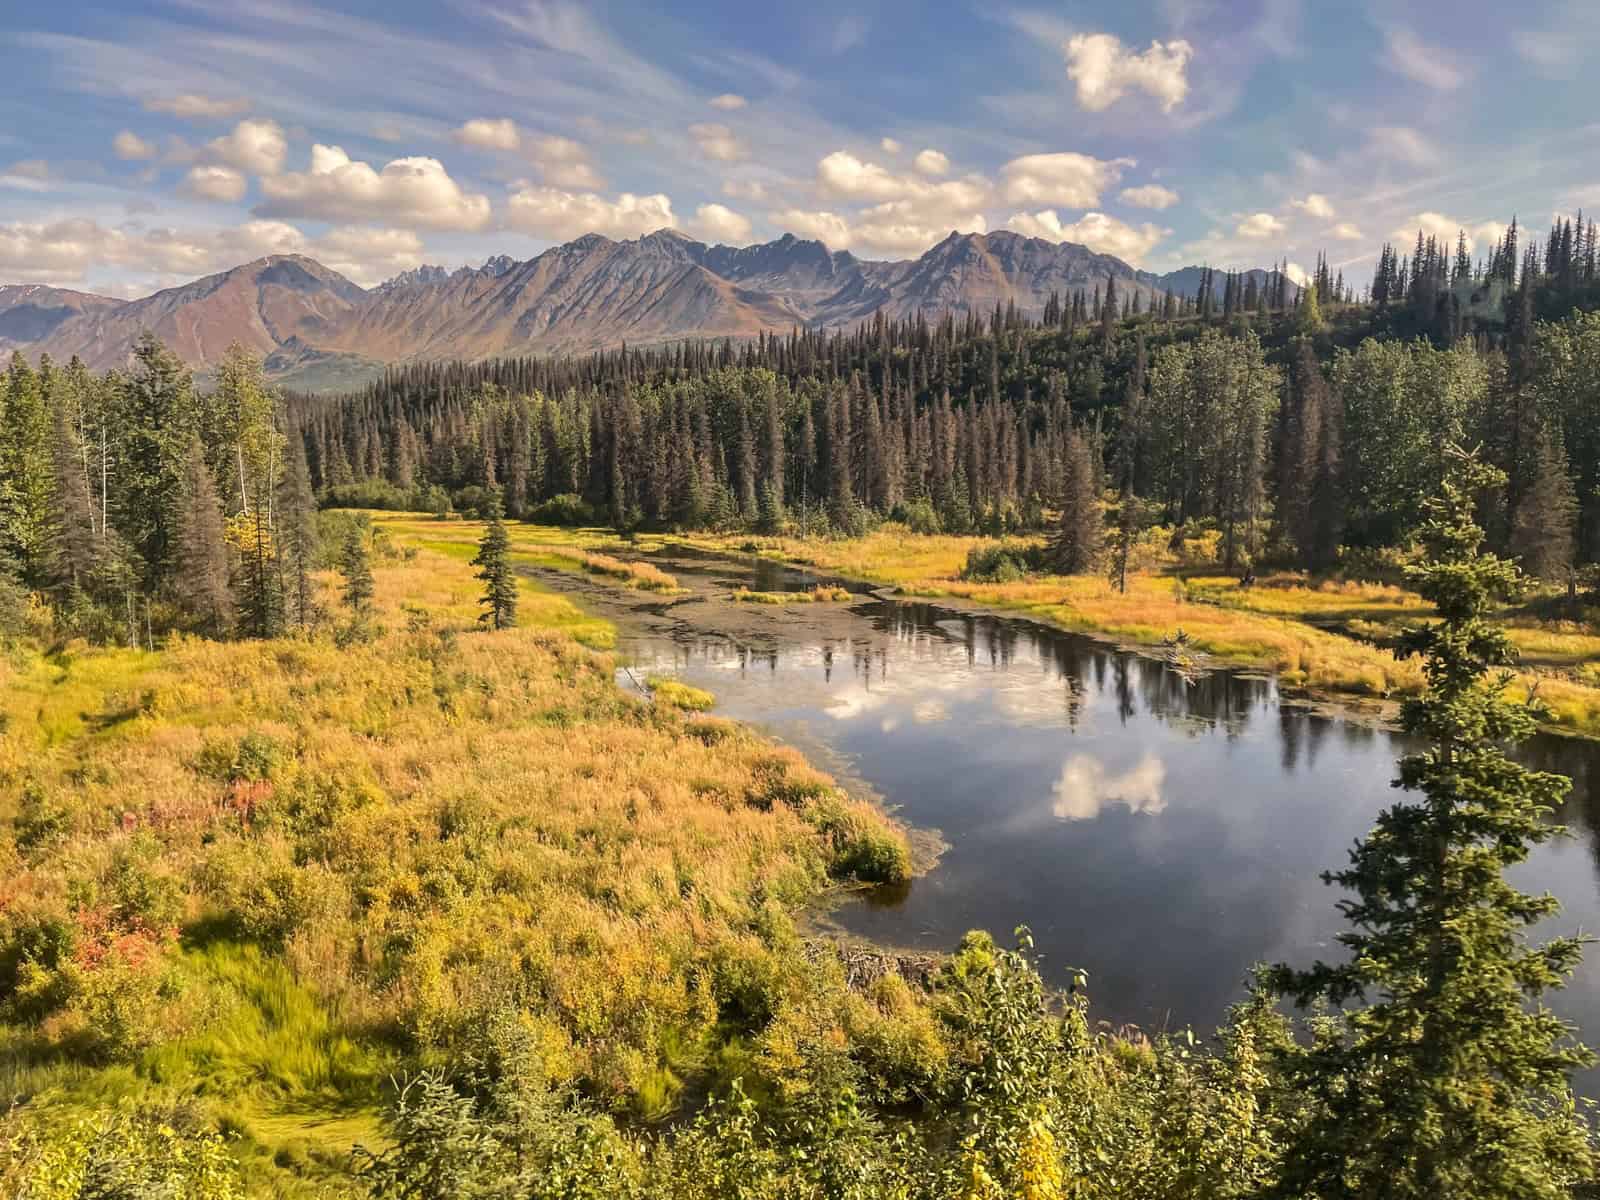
(919, 516)
(1004, 562)
(864, 847)
(565, 509)
(370, 493)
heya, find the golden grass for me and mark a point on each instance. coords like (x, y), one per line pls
(680, 695)
(415, 830)
(821, 594)
(1315, 634)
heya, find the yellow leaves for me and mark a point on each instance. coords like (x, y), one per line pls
(250, 534)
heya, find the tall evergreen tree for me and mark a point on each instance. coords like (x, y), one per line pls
(1075, 543)
(297, 537)
(1543, 534)
(1454, 1080)
(493, 561)
(200, 553)
(357, 572)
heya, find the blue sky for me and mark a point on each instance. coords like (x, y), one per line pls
(145, 144)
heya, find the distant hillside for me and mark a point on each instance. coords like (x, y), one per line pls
(318, 329)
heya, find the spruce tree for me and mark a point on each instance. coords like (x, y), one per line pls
(1075, 544)
(200, 554)
(1446, 1076)
(494, 568)
(1543, 532)
(297, 537)
(357, 572)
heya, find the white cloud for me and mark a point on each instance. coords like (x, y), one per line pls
(1105, 70)
(1404, 145)
(1297, 274)
(1070, 180)
(561, 215)
(718, 223)
(489, 133)
(565, 163)
(1260, 225)
(1408, 55)
(890, 146)
(1101, 233)
(130, 147)
(843, 174)
(1445, 230)
(1151, 195)
(1347, 232)
(29, 175)
(222, 184)
(193, 106)
(368, 256)
(67, 251)
(717, 142)
(1085, 787)
(931, 163)
(908, 227)
(827, 227)
(1315, 205)
(728, 102)
(408, 191)
(256, 145)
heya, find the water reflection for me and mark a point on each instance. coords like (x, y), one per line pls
(1162, 833)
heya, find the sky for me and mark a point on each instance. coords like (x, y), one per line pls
(145, 144)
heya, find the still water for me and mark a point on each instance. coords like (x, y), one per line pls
(1160, 834)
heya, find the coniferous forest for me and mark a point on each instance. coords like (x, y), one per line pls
(334, 863)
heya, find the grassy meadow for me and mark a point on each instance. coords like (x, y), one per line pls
(256, 883)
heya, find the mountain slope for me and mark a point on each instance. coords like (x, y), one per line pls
(264, 305)
(311, 323)
(32, 312)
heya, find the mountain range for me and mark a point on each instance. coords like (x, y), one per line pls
(318, 330)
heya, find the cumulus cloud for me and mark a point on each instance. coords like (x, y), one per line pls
(908, 227)
(1408, 55)
(719, 223)
(565, 163)
(844, 175)
(561, 215)
(130, 147)
(1260, 225)
(1404, 145)
(222, 184)
(728, 102)
(1085, 788)
(256, 145)
(1445, 229)
(1101, 233)
(67, 251)
(931, 163)
(1151, 195)
(193, 106)
(717, 142)
(489, 133)
(1347, 232)
(827, 227)
(1070, 180)
(1105, 70)
(408, 191)
(1315, 205)
(889, 146)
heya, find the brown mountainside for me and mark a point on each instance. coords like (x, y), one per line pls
(315, 326)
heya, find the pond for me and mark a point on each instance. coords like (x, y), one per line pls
(1160, 833)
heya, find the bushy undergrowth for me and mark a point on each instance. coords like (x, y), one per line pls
(257, 879)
